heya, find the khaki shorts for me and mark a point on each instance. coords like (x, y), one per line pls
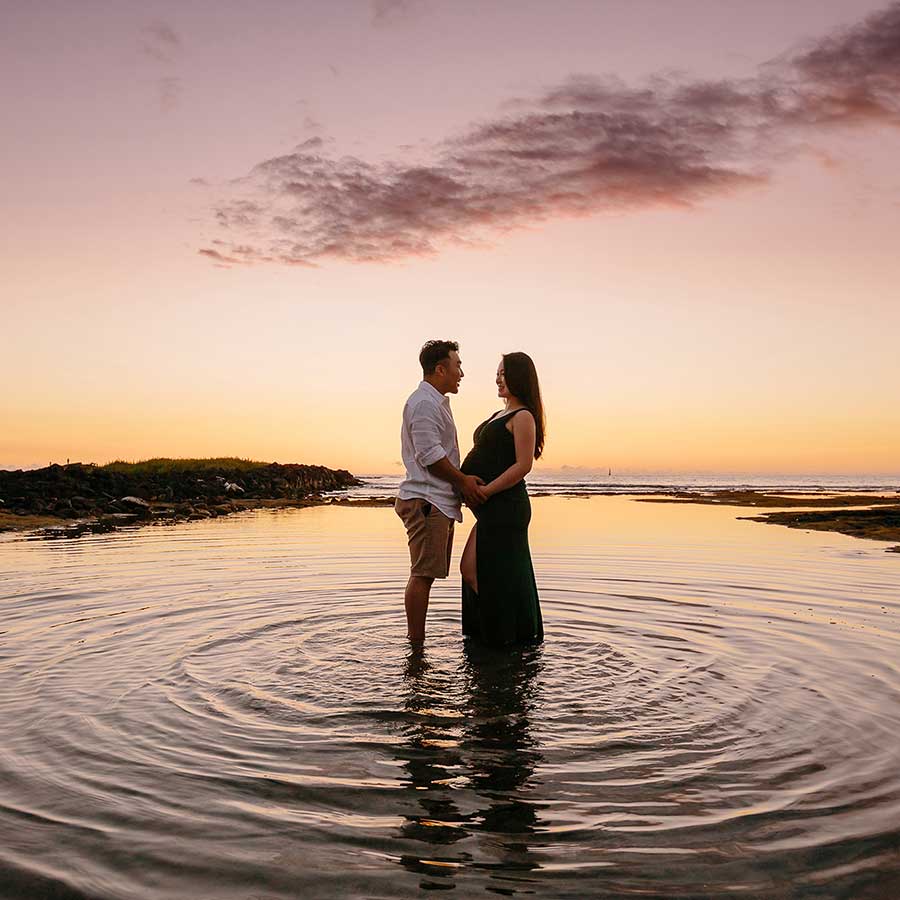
(430, 535)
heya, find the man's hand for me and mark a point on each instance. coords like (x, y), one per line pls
(470, 487)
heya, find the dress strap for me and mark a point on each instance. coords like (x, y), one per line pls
(508, 415)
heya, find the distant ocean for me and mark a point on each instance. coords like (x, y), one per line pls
(580, 482)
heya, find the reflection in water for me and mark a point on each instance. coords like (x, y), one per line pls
(470, 756)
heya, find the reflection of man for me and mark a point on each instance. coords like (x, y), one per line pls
(429, 498)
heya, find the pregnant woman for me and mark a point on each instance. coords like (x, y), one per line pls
(500, 603)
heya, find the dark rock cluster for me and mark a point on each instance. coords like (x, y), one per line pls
(78, 490)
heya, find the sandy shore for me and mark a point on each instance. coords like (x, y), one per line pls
(11, 522)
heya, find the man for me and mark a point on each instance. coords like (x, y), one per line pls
(429, 498)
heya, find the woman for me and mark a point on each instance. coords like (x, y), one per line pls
(500, 601)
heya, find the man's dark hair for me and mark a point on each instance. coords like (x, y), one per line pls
(433, 352)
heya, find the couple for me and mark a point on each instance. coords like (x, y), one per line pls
(500, 604)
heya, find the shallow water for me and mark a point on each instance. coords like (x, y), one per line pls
(228, 709)
(581, 481)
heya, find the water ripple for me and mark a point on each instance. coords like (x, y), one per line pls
(715, 713)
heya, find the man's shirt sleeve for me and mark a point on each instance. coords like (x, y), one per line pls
(425, 431)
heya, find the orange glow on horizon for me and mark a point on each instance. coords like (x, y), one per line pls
(754, 331)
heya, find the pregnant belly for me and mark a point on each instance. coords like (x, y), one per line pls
(472, 465)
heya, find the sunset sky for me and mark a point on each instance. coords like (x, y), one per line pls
(229, 227)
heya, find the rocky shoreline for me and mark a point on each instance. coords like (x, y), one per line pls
(85, 497)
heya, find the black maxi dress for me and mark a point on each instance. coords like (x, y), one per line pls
(506, 609)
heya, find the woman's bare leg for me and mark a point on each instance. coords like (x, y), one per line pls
(468, 566)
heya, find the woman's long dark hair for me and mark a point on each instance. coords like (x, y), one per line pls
(522, 382)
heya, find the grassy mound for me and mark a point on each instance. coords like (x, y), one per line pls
(163, 465)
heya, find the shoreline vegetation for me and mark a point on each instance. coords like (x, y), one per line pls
(78, 498)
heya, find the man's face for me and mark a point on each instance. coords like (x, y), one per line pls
(451, 371)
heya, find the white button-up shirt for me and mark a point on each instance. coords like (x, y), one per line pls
(429, 434)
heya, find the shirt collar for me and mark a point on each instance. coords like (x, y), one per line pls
(430, 388)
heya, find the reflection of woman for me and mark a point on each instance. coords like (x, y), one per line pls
(500, 601)
(500, 754)
(469, 811)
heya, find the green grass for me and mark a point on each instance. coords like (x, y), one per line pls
(164, 466)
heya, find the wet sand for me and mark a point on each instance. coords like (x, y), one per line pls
(12, 522)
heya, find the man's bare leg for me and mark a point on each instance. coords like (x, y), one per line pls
(418, 590)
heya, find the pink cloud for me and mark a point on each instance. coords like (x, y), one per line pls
(584, 147)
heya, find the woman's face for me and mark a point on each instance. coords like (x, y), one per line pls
(502, 390)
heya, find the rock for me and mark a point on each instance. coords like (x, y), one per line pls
(136, 505)
(117, 518)
(135, 502)
(88, 489)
